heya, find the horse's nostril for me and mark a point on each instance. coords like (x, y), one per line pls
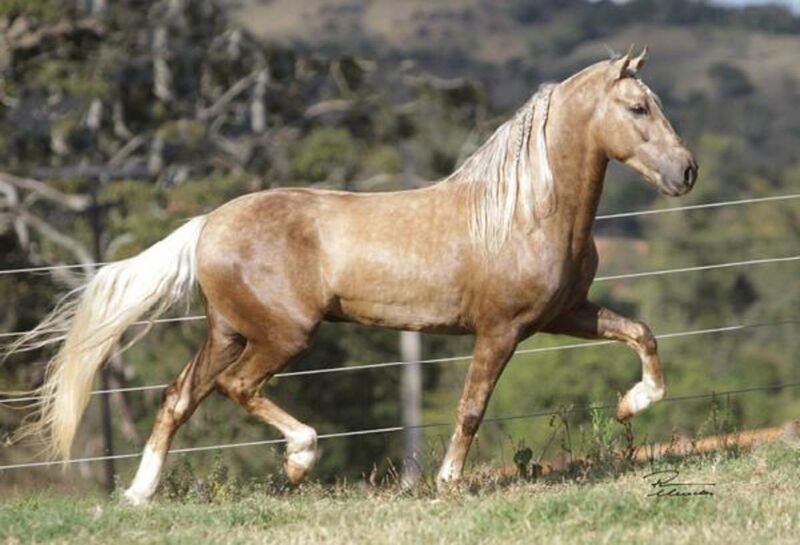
(690, 175)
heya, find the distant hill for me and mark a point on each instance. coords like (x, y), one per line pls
(553, 37)
(741, 63)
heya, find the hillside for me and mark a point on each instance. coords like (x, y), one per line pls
(465, 37)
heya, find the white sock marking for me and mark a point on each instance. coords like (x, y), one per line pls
(641, 396)
(303, 459)
(447, 472)
(146, 480)
(302, 448)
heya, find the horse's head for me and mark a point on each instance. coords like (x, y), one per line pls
(632, 129)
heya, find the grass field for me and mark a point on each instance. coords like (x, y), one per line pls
(756, 499)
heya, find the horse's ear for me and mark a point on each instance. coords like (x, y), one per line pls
(621, 64)
(637, 63)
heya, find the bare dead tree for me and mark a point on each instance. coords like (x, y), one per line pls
(258, 110)
(31, 228)
(162, 75)
(227, 97)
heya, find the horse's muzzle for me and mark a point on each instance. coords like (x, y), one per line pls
(679, 177)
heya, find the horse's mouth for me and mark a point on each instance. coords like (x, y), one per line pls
(675, 187)
(672, 175)
(670, 185)
(674, 190)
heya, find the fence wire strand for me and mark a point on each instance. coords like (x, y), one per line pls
(393, 429)
(601, 217)
(448, 359)
(659, 272)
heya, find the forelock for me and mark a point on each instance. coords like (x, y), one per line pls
(649, 92)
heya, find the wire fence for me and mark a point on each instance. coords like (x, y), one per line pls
(602, 217)
(392, 429)
(449, 359)
(644, 274)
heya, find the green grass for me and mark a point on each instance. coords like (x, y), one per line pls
(756, 500)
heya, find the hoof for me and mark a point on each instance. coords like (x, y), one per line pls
(448, 478)
(295, 473)
(624, 413)
(299, 464)
(444, 486)
(130, 497)
(449, 487)
(637, 399)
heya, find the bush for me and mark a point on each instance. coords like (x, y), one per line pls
(730, 80)
(325, 152)
(525, 11)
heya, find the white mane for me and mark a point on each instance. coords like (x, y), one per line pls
(500, 173)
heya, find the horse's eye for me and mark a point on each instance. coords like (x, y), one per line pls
(638, 109)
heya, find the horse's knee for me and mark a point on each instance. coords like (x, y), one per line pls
(644, 338)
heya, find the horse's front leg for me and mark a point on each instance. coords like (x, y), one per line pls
(492, 352)
(591, 321)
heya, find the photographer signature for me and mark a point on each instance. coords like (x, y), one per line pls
(664, 485)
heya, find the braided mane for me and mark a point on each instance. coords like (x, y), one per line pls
(501, 177)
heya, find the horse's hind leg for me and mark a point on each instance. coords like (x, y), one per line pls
(242, 383)
(595, 322)
(179, 401)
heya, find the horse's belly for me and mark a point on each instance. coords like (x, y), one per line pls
(399, 316)
(396, 285)
(410, 311)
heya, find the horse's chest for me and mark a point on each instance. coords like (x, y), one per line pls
(530, 289)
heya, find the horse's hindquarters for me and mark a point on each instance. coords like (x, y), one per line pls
(259, 265)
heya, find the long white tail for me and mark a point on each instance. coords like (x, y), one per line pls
(90, 321)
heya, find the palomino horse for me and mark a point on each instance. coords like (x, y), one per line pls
(500, 249)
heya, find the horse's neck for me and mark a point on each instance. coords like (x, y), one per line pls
(578, 169)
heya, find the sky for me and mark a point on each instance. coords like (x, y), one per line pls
(793, 4)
